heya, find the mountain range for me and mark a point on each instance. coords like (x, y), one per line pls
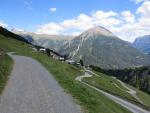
(96, 46)
(143, 44)
(54, 42)
(8, 34)
(100, 47)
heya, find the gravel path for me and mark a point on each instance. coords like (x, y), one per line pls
(133, 108)
(31, 89)
(130, 91)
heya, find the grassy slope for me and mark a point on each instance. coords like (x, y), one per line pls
(107, 83)
(5, 68)
(91, 100)
(109, 86)
(142, 95)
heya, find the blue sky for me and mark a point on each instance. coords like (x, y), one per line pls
(24, 13)
(32, 15)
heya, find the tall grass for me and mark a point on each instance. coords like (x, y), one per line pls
(5, 69)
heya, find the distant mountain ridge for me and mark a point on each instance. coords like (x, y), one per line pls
(100, 47)
(8, 34)
(96, 46)
(54, 42)
(143, 44)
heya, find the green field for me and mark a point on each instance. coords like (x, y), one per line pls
(113, 86)
(90, 100)
(144, 97)
(5, 69)
(110, 85)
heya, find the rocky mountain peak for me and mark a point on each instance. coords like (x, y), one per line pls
(95, 31)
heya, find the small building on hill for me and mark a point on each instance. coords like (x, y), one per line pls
(70, 61)
(43, 50)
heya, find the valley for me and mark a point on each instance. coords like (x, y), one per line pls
(88, 98)
(65, 75)
(75, 56)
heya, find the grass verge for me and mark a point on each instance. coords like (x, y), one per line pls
(144, 97)
(5, 69)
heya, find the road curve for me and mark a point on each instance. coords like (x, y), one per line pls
(130, 91)
(32, 89)
(133, 108)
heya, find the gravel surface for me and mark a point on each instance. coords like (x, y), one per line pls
(32, 89)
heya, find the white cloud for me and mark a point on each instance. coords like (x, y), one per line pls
(124, 24)
(138, 1)
(105, 19)
(28, 4)
(139, 27)
(53, 9)
(51, 28)
(144, 9)
(3, 24)
(80, 23)
(102, 14)
(128, 16)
